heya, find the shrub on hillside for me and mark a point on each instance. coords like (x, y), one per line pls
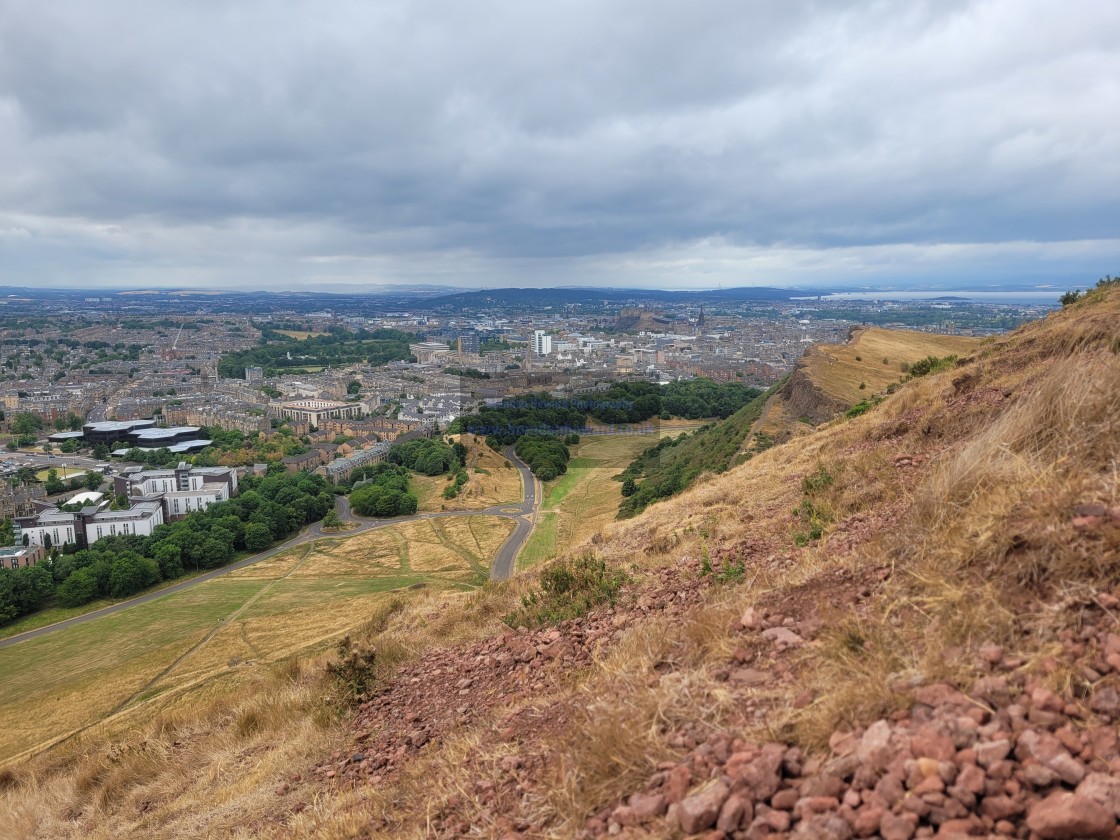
(931, 364)
(569, 589)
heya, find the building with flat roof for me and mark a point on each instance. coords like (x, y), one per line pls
(314, 412)
(427, 352)
(142, 518)
(340, 469)
(89, 524)
(542, 343)
(158, 438)
(182, 490)
(113, 431)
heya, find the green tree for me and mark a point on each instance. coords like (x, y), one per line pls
(258, 537)
(168, 557)
(80, 588)
(26, 424)
(130, 573)
(93, 480)
(54, 485)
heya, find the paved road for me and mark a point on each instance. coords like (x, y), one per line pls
(523, 514)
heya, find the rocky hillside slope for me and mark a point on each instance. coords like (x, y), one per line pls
(904, 624)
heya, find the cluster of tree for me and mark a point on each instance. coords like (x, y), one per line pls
(382, 490)
(458, 480)
(623, 402)
(1074, 295)
(25, 423)
(493, 345)
(90, 480)
(428, 456)
(547, 456)
(469, 372)
(268, 509)
(634, 402)
(672, 464)
(23, 590)
(279, 353)
(504, 423)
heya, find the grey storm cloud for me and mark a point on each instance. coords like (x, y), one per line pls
(575, 141)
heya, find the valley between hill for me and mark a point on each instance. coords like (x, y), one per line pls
(900, 623)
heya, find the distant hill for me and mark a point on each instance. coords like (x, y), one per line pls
(543, 298)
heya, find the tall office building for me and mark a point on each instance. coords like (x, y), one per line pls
(542, 343)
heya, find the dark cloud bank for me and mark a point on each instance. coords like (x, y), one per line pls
(622, 143)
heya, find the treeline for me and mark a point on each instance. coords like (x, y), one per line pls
(623, 402)
(546, 456)
(382, 490)
(507, 421)
(340, 347)
(693, 399)
(268, 509)
(469, 372)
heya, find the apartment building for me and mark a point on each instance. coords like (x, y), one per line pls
(88, 525)
(314, 411)
(181, 491)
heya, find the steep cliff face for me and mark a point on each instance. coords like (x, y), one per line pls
(803, 395)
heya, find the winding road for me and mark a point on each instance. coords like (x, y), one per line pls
(523, 513)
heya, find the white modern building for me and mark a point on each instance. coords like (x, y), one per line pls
(90, 523)
(182, 490)
(542, 343)
(142, 518)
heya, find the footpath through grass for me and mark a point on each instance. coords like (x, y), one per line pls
(59, 683)
(578, 503)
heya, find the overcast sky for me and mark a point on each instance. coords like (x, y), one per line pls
(236, 144)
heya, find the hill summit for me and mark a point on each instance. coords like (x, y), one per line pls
(905, 622)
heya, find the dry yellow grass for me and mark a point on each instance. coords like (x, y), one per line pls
(578, 504)
(491, 481)
(62, 683)
(837, 371)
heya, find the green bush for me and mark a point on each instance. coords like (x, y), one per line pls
(931, 364)
(569, 589)
(546, 456)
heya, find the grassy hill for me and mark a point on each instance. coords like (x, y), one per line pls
(842, 636)
(673, 464)
(829, 379)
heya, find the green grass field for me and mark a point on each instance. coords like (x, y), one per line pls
(578, 503)
(53, 615)
(58, 684)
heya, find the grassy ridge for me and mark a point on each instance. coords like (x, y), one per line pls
(673, 464)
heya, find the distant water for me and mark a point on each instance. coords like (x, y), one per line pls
(1034, 297)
